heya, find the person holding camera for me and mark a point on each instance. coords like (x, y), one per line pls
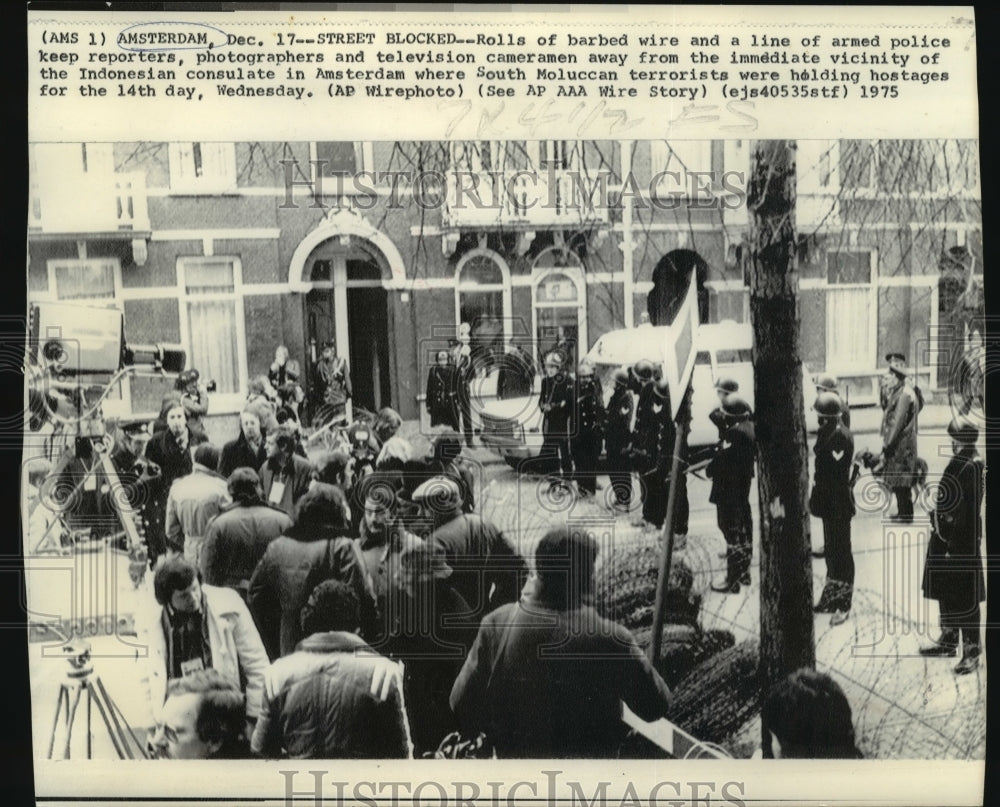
(194, 396)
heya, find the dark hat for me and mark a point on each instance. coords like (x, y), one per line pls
(825, 382)
(898, 371)
(963, 430)
(132, 428)
(330, 343)
(736, 407)
(727, 385)
(661, 389)
(644, 369)
(827, 405)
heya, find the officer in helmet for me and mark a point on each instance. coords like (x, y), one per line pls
(647, 427)
(723, 387)
(656, 480)
(640, 374)
(588, 428)
(556, 403)
(832, 501)
(731, 472)
(826, 383)
(953, 573)
(618, 439)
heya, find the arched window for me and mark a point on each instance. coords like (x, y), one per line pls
(482, 299)
(559, 304)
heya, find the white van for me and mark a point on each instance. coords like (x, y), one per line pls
(513, 428)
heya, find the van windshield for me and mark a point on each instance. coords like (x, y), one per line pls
(733, 356)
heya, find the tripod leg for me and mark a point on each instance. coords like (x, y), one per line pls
(115, 739)
(90, 733)
(63, 697)
(70, 720)
(111, 717)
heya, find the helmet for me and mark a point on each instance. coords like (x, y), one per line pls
(727, 385)
(585, 370)
(620, 376)
(661, 389)
(825, 382)
(963, 430)
(644, 369)
(736, 407)
(827, 404)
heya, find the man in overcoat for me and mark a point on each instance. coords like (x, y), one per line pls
(953, 573)
(899, 435)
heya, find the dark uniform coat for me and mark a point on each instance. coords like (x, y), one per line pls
(954, 554)
(831, 495)
(442, 396)
(557, 393)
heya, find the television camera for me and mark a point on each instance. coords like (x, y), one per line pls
(77, 354)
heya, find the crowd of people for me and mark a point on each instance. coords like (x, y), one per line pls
(289, 587)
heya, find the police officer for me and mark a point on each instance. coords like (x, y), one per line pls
(723, 387)
(588, 428)
(826, 383)
(832, 501)
(657, 478)
(556, 403)
(618, 438)
(953, 574)
(731, 471)
(647, 428)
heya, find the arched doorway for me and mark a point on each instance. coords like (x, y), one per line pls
(348, 303)
(345, 269)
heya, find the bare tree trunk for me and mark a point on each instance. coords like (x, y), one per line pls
(786, 614)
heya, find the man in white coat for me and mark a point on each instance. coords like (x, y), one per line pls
(198, 627)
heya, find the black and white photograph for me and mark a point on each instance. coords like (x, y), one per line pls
(490, 449)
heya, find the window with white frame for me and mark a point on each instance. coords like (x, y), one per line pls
(86, 279)
(482, 299)
(674, 163)
(202, 167)
(851, 311)
(212, 322)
